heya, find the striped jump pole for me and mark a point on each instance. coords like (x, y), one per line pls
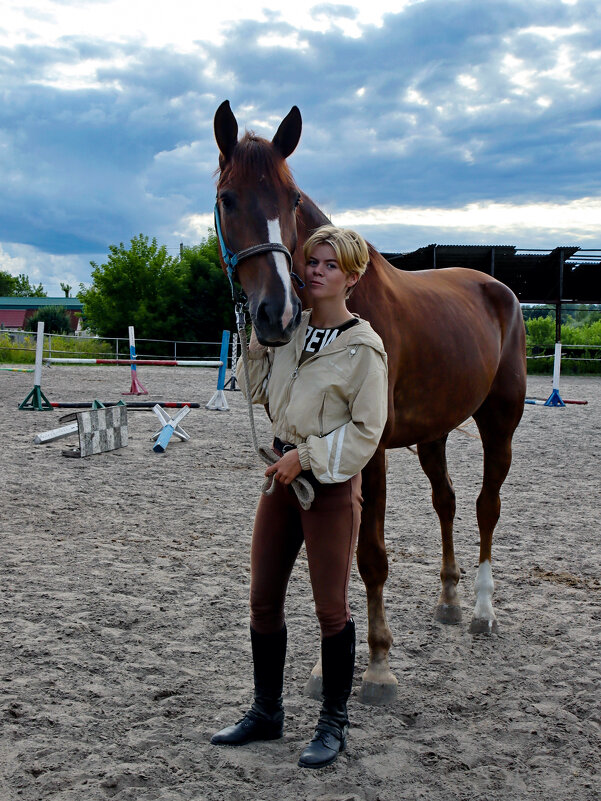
(129, 404)
(136, 387)
(145, 362)
(543, 402)
(36, 400)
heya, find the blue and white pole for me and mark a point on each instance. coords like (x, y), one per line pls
(218, 401)
(136, 387)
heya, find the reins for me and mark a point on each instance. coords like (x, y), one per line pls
(302, 488)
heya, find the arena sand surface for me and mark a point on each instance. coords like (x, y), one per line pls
(125, 622)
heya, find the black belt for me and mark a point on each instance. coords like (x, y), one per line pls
(282, 447)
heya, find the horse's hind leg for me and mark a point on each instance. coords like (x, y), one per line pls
(432, 457)
(497, 420)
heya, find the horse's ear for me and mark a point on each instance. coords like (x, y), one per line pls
(226, 131)
(287, 135)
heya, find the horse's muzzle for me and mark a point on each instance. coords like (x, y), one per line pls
(268, 325)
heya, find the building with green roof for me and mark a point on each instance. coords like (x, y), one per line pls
(15, 311)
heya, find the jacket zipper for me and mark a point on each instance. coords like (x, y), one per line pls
(294, 374)
(290, 383)
(321, 413)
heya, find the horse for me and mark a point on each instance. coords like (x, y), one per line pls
(455, 341)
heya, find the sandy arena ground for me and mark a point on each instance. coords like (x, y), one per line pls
(124, 619)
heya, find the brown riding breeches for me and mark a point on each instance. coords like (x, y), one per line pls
(329, 529)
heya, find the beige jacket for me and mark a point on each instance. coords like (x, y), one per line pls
(333, 406)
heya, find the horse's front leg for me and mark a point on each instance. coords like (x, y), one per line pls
(379, 684)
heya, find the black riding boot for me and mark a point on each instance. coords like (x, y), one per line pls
(338, 663)
(265, 719)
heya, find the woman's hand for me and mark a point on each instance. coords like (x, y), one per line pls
(286, 469)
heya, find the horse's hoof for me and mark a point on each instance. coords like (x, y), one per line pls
(481, 626)
(448, 613)
(313, 686)
(379, 686)
(378, 694)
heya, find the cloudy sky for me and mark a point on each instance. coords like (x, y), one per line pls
(449, 121)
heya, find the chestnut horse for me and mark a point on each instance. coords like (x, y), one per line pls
(456, 349)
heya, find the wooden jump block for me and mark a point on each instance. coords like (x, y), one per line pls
(100, 430)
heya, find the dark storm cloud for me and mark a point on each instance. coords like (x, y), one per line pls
(444, 104)
(393, 143)
(73, 160)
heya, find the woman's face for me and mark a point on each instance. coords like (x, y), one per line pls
(323, 274)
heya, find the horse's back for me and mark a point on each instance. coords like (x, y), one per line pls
(449, 334)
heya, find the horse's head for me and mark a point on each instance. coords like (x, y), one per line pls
(256, 212)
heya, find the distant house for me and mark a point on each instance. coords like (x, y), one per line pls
(14, 312)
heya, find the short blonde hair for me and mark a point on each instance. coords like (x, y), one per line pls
(352, 253)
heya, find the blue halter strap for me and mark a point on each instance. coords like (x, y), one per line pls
(232, 259)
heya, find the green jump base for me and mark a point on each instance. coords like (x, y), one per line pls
(36, 401)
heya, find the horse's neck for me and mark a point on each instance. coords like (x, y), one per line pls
(309, 218)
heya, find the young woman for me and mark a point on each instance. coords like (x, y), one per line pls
(327, 395)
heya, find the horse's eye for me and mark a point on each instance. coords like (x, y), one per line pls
(227, 201)
(297, 200)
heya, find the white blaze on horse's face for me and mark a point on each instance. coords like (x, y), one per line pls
(274, 233)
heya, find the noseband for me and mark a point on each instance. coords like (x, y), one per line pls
(232, 259)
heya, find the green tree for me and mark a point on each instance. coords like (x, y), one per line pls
(533, 312)
(24, 289)
(161, 296)
(66, 289)
(7, 284)
(136, 286)
(541, 330)
(207, 308)
(19, 286)
(55, 318)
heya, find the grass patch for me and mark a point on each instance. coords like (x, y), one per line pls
(22, 351)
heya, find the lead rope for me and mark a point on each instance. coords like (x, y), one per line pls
(302, 488)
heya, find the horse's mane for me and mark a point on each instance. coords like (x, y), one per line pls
(254, 158)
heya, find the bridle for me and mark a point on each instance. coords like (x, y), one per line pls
(232, 260)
